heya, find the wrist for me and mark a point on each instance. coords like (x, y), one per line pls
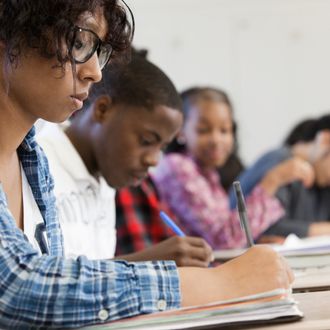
(270, 183)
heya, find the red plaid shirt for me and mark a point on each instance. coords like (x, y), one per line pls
(137, 218)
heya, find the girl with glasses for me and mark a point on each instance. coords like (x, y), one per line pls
(51, 54)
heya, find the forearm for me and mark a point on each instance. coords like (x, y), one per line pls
(270, 183)
(192, 294)
(50, 292)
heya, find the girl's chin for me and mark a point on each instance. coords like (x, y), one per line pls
(216, 162)
(59, 117)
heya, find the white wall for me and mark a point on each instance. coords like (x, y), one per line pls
(272, 56)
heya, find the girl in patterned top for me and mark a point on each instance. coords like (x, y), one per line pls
(189, 182)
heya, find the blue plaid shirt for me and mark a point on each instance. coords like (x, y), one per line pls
(50, 291)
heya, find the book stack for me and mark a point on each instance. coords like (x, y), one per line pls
(264, 308)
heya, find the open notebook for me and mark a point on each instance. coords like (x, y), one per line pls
(264, 308)
(292, 247)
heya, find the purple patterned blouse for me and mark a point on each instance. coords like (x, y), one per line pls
(202, 205)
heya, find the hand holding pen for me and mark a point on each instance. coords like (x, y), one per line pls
(194, 251)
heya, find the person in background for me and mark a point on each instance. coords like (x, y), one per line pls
(252, 176)
(189, 182)
(301, 132)
(93, 156)
(232, 166)
(307, 211)
(138, 223)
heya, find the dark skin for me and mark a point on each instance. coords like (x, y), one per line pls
(124, 159)
(98, 136)
(33, 83)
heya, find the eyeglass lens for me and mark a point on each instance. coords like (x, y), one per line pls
(85, 44)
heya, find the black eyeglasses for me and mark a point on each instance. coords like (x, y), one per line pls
(85, 43)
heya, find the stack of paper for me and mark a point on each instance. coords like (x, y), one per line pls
(267, 307)
(293, 246)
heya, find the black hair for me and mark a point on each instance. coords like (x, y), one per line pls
(301, 132)
(138, 83)
(322, 123)
(44, 25)
(233, 166)
(306, 130)
(189, 98)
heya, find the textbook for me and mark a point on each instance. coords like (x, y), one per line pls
(264, 308)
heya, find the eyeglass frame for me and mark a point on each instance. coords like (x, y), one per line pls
(97, 47)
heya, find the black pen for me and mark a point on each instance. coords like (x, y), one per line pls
(243, 218)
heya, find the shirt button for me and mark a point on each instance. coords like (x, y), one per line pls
(161, 305)
(103, 314)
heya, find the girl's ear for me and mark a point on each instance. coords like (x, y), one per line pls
(102, 108)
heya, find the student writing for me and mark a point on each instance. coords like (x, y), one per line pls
(112, 143)
(46, 73)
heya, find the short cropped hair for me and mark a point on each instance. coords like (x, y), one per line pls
(138, 83)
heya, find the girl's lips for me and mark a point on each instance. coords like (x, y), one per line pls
(216, 154)
(79, 99)
(78, 104)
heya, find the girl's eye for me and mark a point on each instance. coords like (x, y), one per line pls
(78, 44)
(226, 131)
(146, 142)
(202, 130)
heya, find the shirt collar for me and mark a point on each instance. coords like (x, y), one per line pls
(29, 143)
(64, 149)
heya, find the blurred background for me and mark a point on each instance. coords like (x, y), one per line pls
(271, 56)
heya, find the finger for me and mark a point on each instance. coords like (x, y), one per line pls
(290, 273)
(200, 242)
(197, 241)
(288, 270)
(191, 262)
(308, 176)
(200, 253)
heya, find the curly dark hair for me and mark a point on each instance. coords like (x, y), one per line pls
(45, 24)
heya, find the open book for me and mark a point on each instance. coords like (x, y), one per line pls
(292, 247)
(264, 308)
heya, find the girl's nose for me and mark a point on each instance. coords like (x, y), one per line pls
(90, 70)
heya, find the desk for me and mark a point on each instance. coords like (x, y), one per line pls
(316, 309)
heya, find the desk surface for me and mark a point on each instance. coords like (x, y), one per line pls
(316, 309)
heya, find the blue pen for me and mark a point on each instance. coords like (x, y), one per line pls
(169, 222)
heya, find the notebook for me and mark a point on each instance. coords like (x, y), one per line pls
(267, 307)
(292, 247)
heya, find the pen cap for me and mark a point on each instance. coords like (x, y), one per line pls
(239, 196)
